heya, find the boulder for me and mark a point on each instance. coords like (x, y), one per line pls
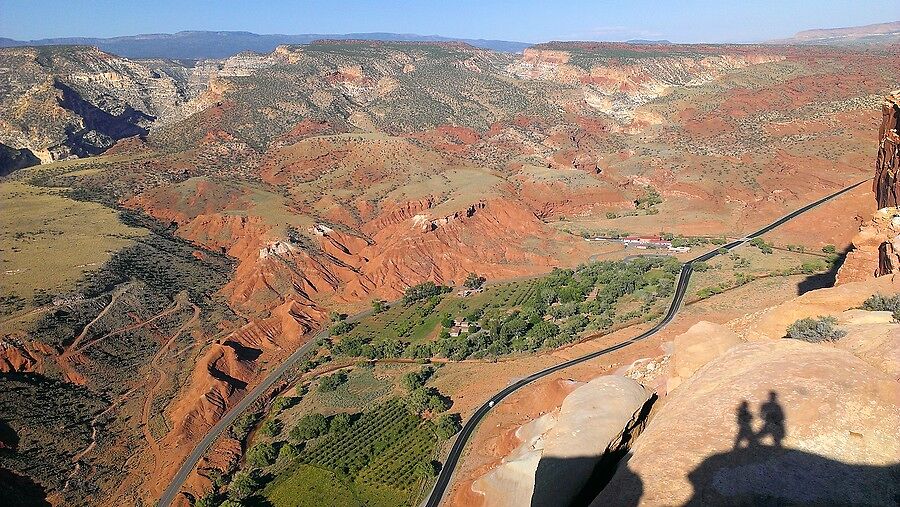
(559, 450)
(776, 422)
(596, 419)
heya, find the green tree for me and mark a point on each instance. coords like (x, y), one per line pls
(829, 249)
(309, 426)
(448, 425)
(339, 423)
(270, 428)
(288, 452)
(473, 281)
(428, 469)
(261, 455)
(242, 486)
(331, 382)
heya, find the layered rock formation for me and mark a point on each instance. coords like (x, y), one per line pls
(65, 101)
(876, 249)
(887, 165)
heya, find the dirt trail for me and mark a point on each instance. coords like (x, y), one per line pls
(64, 359)
(130, 327)
(161, 378)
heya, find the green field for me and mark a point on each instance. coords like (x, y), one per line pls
(378, 461)
(310, 486)
(48, 242)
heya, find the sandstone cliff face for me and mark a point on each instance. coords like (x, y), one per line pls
(558, 451)
(876, 249)
(617, 78)
(68, 101)
(887, 165)
(785, 421)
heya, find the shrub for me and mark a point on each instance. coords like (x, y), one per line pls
(880, 303)
(829, 249)
(815, 330)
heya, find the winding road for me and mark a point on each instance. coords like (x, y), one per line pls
(446, 474)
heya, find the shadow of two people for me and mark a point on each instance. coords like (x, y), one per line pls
(758, 470)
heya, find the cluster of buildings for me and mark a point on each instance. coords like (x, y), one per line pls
(645, 242)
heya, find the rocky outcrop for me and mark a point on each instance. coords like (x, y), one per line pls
(12, 159)
(74, 101)
(779, 422)
(887, 165)
(559, 451)
(700, 344)
(876, 249)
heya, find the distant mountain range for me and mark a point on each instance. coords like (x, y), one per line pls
(198, 45)
(878, 34)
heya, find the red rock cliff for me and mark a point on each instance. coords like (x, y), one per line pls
(887, 165)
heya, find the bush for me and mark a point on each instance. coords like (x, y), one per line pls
(880, 303)
(815, 330)
(829, 249)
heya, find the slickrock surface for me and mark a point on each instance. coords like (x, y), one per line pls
(838, 419)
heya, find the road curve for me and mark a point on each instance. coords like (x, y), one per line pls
(446, 474)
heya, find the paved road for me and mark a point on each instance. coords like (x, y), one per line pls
(225, 422)
(446, 475)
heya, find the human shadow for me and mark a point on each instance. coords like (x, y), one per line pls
(760, 470)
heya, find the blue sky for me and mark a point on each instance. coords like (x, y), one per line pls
(526, 21)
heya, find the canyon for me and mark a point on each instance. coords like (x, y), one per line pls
(259, 193)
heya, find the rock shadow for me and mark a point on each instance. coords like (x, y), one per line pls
(577, 481)
(823, 280)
